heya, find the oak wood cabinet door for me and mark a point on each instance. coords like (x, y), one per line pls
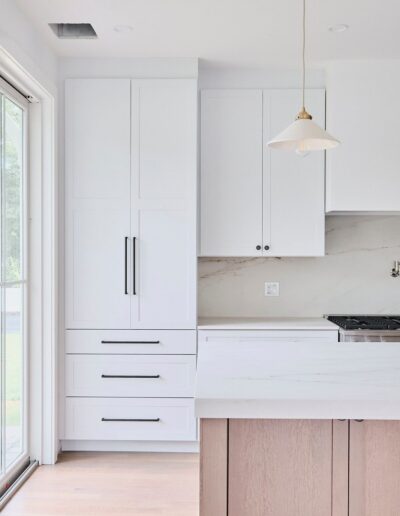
(97, 224)
(280, 467)
(374, 468)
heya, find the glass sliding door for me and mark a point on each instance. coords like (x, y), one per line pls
(13, 284)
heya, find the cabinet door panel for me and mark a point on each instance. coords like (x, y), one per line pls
(166, 125)
(164, 176)
(294, 186)
(374, 468)
(363, 172)
(97, 164)
(231, 172)
(280, 468)
(165, 271)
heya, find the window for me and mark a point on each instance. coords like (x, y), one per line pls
(13, 283)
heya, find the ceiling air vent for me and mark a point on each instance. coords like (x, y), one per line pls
(73, 30)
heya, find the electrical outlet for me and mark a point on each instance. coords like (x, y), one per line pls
(271, 289)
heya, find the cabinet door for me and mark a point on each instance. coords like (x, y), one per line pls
(97, 169)
(374, 468)
(294, 186)
(280, 467)
(164, 177)
(231, 172)
(363, 112)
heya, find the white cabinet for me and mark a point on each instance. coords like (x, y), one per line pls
(294, 186)
(127, 419)
(216, 337)
(131, 342)
(131, 158)
(130, 271)
(363, 112)
(133, 376)
(164, 185)
(231, 172)
(256, 201)
(97, 163)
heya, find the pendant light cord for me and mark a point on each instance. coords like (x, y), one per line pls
(304, 53)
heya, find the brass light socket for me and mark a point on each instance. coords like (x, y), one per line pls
(303, 115)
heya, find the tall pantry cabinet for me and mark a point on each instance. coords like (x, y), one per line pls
(130, 273)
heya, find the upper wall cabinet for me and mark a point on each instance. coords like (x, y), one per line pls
(131, 176)
(257, 201)
(231, 172)
(363, 112)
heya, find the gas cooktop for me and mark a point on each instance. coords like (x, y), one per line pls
(366, 322)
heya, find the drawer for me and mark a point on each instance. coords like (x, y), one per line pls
(216, 336)
(130, 419)
(130, 375)
(145, 342)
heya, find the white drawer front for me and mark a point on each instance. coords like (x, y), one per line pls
(216, 336)
(130, 419)
(130, 375)
(145, 342)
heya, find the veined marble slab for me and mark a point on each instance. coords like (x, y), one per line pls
(348, 380)
(265, 323)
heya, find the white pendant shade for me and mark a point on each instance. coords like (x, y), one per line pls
(303, 136)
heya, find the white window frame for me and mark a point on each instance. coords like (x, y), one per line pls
(42, 258)
(23, 103)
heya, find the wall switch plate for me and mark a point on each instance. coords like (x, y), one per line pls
(271, 289)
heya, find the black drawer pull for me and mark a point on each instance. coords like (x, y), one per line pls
(130, 376)
(130, 342)
(132, 420)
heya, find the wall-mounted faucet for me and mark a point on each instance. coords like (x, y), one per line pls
(396, 269)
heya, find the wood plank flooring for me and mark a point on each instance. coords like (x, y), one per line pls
(97, 484)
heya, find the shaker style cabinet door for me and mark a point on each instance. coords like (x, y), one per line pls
(231, 173)
(374, 471)
(294, 186)
(280, 467)
(163, 194)
(97, 171)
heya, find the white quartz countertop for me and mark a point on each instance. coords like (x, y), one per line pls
(265, 323)
(302, 380)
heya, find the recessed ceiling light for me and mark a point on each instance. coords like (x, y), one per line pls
(341, 27)
(123, 28)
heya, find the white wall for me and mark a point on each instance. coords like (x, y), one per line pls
(220, 77)
(353, 277)
(19, 39)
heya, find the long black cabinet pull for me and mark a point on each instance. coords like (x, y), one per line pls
(130, 376)
(134, 265)
(156, 420)
(126, 266)
(130, 342)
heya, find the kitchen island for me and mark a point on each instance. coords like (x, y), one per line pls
(299, 428)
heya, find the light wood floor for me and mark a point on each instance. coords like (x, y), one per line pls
(97, 484)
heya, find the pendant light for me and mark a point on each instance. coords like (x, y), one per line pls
(303, 135)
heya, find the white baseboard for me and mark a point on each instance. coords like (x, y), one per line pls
(131, 446)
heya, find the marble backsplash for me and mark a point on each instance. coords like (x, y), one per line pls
(353, 277)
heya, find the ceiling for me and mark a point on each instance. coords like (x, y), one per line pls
(250, 33)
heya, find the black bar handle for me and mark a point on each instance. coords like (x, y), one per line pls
(126, 266)
(130, 342)
(130, 376)
(134, 265)
(156, 420)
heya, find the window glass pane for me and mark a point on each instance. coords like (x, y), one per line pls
(12, 183)
(14, 373)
